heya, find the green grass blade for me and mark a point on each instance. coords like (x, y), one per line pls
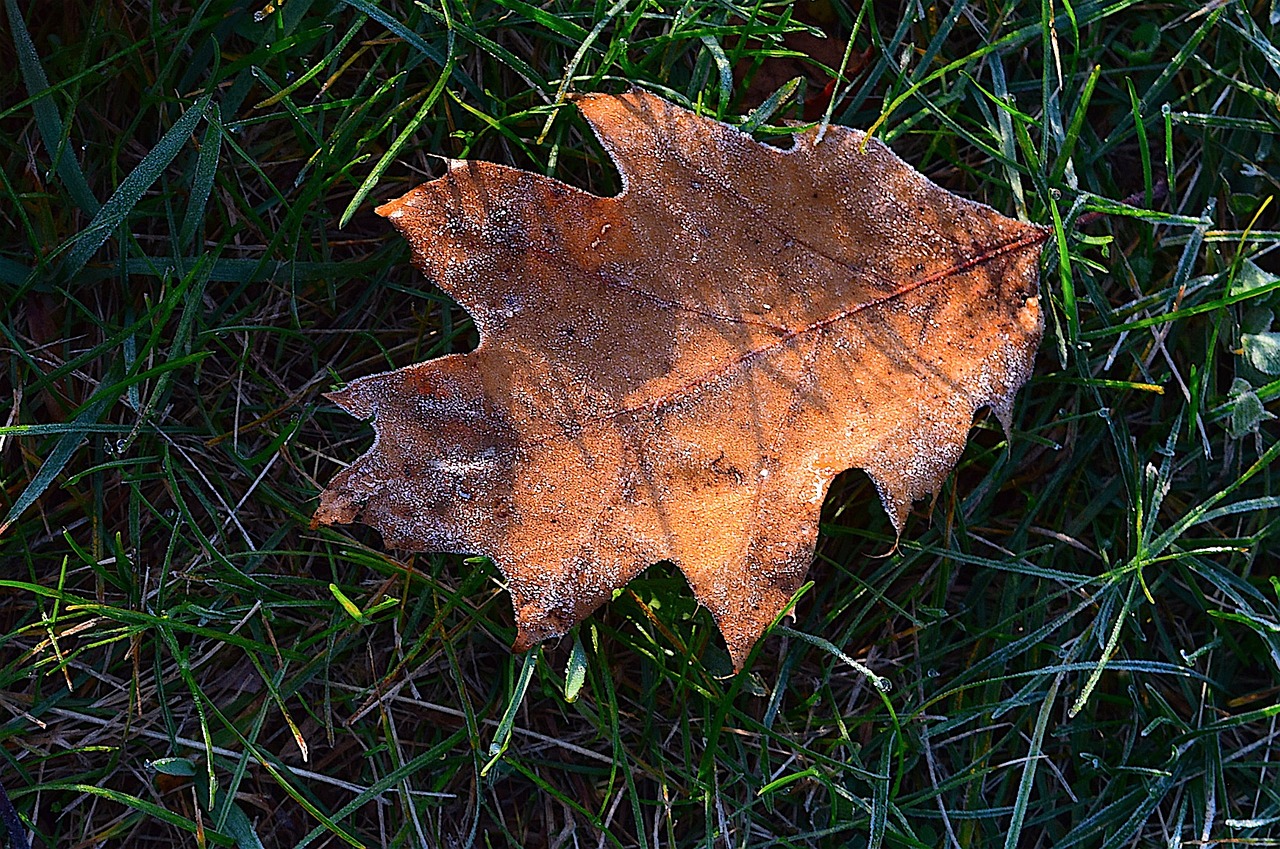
(52, 131)
(384, 162)
(202, 180)
(57, 460)
(117, 208)
(502, 737)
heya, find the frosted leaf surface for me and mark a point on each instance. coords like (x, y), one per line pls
(677, 373)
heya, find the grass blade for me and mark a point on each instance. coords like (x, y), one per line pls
(86, 243)
(52, 131)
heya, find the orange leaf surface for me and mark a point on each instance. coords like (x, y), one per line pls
(677, 373)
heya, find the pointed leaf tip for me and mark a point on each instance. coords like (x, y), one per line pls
(351, 399)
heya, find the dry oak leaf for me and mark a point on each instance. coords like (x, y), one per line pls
(677, 373)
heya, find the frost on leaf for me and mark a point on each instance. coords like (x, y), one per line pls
(677, 373)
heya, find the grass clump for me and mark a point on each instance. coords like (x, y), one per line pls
(1082, 632)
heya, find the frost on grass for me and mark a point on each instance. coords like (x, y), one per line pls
(677, 373)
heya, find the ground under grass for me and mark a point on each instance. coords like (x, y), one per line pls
(1081, 633)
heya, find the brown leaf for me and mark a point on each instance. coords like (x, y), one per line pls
(678, 372)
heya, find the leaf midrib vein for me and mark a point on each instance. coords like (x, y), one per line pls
(1035, 237)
